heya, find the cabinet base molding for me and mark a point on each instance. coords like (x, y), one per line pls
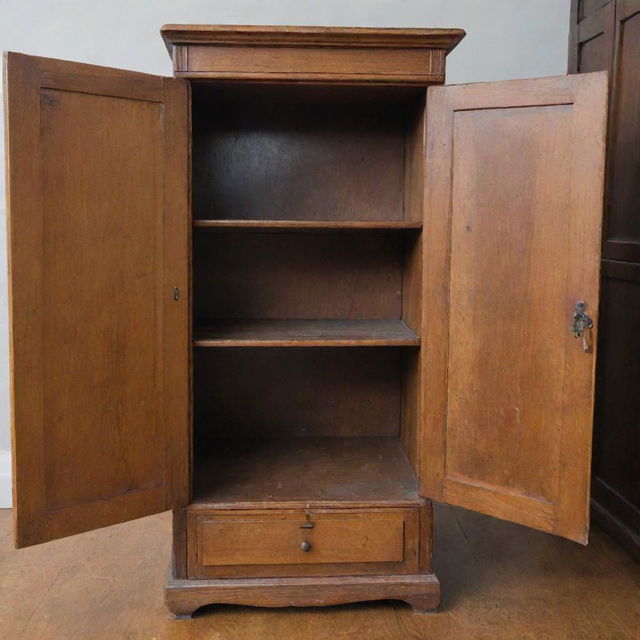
(184, 597)
(628, 539)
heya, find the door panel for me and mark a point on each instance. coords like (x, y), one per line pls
(592, 36)
(617, 440)
(514, 187)
(623, 194)
(98, 227)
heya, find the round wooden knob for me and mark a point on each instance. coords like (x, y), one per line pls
(305, 546)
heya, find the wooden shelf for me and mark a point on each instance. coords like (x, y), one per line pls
(306, 225)
(305, 333)
(298, 472)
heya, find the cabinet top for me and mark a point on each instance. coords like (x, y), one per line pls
(197, 34)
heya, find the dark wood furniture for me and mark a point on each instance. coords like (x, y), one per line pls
(606, 36)
(295, 293)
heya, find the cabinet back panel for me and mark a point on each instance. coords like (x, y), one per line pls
(299, 152)
(297, 392)
(289, 275)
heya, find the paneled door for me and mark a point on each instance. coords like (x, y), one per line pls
(515, 174)
(98, 228)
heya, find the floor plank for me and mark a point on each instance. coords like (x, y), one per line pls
(499, 581)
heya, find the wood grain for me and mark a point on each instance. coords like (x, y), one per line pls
(514, 244)
(98, 240)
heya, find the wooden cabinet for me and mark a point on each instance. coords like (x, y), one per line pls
(606, 36)
(294, 294)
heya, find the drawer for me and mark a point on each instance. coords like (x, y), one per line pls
(294, 542)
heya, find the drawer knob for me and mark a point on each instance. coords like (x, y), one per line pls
(305, 546)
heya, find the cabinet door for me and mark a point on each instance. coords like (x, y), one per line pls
(97, 173)
(514, 193)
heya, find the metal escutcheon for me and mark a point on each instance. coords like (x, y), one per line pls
(305, 546)
(582, 324)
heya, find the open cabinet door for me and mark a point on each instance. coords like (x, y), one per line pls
(514, 199)
(97, 177)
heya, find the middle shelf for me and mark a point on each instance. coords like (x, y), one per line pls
(304, 333)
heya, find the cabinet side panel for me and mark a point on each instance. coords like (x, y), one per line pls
(179, 544)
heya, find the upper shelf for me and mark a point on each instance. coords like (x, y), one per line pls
(305, 333)
(305, 225)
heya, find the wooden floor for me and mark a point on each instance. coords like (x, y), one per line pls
(499, 581)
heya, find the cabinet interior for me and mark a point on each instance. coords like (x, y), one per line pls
(307, 258)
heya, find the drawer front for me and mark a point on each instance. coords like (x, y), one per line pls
(291, 543)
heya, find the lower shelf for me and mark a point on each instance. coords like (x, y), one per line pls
(184, 597)
(299, 472)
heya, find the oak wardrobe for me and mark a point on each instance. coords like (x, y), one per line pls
(295, 293)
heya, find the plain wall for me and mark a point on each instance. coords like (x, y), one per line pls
(505, 39)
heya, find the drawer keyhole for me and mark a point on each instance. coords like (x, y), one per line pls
(305, 546)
